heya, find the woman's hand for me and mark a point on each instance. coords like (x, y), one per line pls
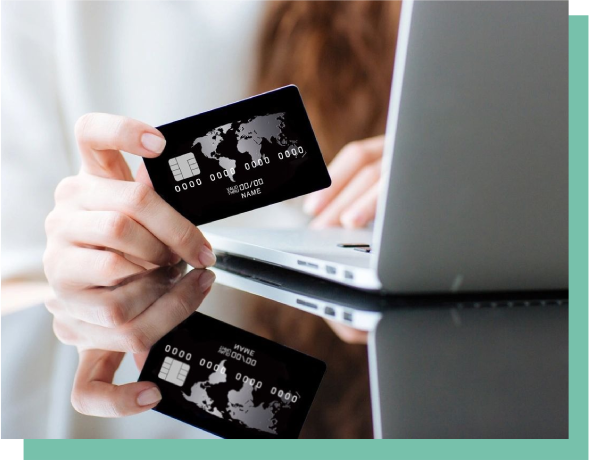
(107, 228)
(163, 300)
(350, 201)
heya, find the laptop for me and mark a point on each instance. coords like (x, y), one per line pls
(356, 308)
(474, 186)
(418, 388)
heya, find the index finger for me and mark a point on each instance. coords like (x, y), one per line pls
(95, 394)
(101, 136)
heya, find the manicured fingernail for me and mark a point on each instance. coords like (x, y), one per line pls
(175, 259)
(206, 256)
(153, 143)
(149, 397)
(206, 280)
(311, 205)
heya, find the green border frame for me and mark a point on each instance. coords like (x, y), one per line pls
(578, 247)
(573, 448)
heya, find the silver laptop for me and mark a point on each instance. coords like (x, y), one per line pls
(474, 188)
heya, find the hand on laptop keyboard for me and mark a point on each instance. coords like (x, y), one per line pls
(351, 199)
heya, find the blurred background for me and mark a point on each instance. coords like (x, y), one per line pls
(159, 62)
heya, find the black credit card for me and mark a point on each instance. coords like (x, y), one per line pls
(239, 157)
(230, 382)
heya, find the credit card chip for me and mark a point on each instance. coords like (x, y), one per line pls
(174, 371)
(184, 166)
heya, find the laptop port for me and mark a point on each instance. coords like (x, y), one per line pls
(307, 264)
(329, 311)
(348, 275)
(306, 304)
(348, 316)
(330, 270)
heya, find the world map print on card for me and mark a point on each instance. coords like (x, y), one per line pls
(249, 137)
(240, 405)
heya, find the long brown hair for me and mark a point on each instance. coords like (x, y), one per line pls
(340, 55)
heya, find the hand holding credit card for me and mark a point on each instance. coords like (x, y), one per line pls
(240, 157)
(230, 382)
